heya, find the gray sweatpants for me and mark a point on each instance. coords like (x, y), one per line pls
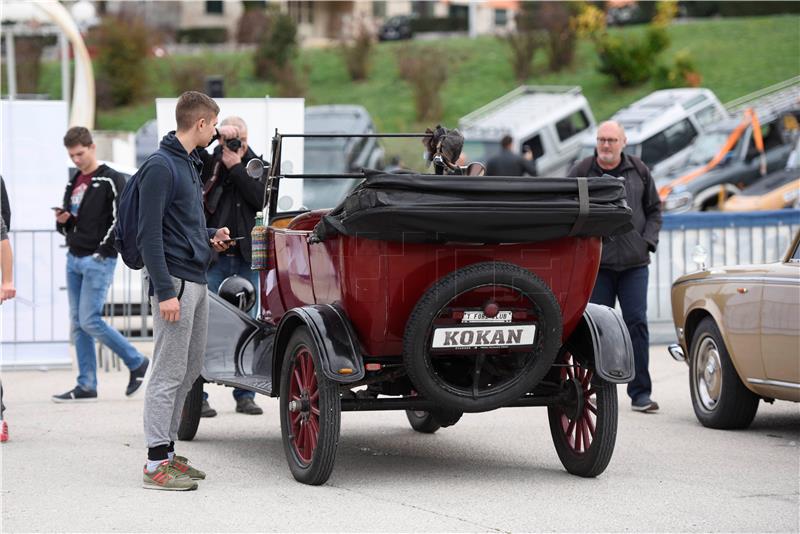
(177, 361)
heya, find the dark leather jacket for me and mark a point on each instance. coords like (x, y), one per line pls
(633, 248)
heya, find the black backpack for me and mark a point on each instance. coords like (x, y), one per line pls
(127, 224)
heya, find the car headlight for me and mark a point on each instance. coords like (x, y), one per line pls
(679, 201)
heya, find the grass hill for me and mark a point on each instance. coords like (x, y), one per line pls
(735, 56)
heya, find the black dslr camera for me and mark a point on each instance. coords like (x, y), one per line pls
(234, 144)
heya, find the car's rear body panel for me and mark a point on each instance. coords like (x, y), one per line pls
(377, 283)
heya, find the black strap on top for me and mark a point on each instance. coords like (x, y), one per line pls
(583, 205)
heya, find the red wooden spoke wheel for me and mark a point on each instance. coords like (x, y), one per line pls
(304, 406)
(310, 411)
(584, 429)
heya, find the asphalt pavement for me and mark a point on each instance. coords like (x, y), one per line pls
(78, 468)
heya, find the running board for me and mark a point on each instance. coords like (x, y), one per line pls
(257, 384)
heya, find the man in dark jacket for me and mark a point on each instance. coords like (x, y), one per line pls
(175, 244)
(624, 265)
(507, 163)
(231, 199)
(87, 218)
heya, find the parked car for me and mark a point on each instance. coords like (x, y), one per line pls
(396, 28)
(778, 190)
(662, 126)
(739, 168)
(337, 155)
(737, 329)
(548, 120)
(401, 299)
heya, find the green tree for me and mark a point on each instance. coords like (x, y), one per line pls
(123, 47)
(277, 48)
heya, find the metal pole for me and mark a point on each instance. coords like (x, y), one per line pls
(11, 65)
(63, 43)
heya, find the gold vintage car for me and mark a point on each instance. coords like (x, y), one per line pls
(739, 331)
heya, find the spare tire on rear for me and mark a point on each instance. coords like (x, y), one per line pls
(482, 336)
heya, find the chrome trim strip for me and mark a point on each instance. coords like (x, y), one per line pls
(722, 278)
(777, 383)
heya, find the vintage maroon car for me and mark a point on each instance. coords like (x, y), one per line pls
(433, 294)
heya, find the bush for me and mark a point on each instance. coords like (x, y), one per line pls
(202, 35)
(631, 61)
(357, 52)
(28, 56)
(123, 48)
(523, 46)
(425, 68)
(682, 73)
(251, 26)
(277, 47)
(292, 81)
(524, 42)
(557, 19)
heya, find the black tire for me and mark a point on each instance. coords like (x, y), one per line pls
(510, 375)
(428, 423)
(594, 420)
(719, 398)
(310, 435)
(190, 415)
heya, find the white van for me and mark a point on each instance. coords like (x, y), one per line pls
(547, 119)
(662, 126)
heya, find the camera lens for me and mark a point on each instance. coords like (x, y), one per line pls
(233, 144)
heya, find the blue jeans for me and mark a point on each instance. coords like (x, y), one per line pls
(630, 287)
(88, 280)
(224, 267)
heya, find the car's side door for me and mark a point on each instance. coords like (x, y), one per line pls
(780, 317)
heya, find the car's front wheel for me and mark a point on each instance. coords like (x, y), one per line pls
(192, 408)
(719, 397)
(584, 430)
(310, 411)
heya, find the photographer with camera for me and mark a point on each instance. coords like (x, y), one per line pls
(231, 199)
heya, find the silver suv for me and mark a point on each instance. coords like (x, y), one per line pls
(661, 126)
(337, 155)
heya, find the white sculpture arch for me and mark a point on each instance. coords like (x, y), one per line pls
(83, 94)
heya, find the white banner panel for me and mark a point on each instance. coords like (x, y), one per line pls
(33, 162)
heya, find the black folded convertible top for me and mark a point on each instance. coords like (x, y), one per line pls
(426, 208)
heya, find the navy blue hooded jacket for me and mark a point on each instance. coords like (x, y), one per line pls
(173, 240)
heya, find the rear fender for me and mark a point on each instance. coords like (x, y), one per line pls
(602, 338)
(334, 337)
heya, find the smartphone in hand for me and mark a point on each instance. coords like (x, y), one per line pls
(226, 241)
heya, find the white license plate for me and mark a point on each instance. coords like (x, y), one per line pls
(474, 337)
(480, 317)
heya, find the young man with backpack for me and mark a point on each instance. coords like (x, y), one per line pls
(175, 245)
(87, 217)
(624, 264)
